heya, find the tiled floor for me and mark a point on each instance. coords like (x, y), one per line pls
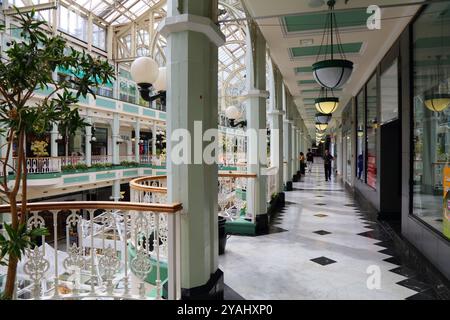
(321, 246)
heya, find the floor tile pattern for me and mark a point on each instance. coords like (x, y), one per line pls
(334, 249)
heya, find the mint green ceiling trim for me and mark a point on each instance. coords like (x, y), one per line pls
(303, 70)
(316, 21)
(353, 47)
(303, 82)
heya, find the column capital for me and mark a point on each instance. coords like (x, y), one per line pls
(288, 121)
(256, 93)
(275, 112)
(190, 22)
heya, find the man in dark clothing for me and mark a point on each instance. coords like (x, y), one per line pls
(327, 158)
(309, 160)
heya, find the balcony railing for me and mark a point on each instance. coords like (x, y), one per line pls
(272, 178)
(232, 192)
(72, 160)
(101, 159)
(41, 165)
(96, 250)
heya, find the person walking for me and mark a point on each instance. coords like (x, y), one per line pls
(309, 160)
(302, 163)
(327, 159)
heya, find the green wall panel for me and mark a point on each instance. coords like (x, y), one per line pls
(76, 179)
(316, 21)
(353, 47)
(109, 104)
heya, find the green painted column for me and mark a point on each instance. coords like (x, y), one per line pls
(287, 136)
(115, 127)
(87, 142)
(276, 134)
(137, 138)
(192, 102)
(256, 125)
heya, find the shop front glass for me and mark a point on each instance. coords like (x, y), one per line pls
(360, 137)
(431, 117)
(371, 127)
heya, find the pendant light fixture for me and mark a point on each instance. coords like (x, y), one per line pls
(438, 99)
(326, 103)
(321, 126)
(323, 117)
(330, 72)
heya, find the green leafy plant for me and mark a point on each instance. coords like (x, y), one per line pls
(28, 65)
(80, 166)
(129, 163)
(67, 167)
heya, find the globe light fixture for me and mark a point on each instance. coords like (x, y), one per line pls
(437, 102)
(233, 113)
(321, 126)
(330, 72)
(325, 103)
(323, 117)
(149, 77)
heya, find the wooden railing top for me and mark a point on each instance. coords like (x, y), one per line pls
(137, 184)
(78, 205)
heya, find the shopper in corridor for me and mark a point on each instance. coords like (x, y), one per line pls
(327, 158)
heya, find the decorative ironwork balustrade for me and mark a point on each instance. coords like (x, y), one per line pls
(272, 178)
(96, 250)
(232, 192)
(101, 159)
(41, 164)
(72, 160)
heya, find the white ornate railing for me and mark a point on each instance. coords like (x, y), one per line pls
(41, 165)
(232, 192)
(233, 196)
(101, 159)
(158, 160)
(145, 159)
(96, 250)
(72, 160)
(271, 174)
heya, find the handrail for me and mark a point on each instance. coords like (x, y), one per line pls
(78, 205)
(135, 184)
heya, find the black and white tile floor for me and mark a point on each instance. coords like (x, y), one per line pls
(323, 245)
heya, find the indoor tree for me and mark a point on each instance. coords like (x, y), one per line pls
(28, 65)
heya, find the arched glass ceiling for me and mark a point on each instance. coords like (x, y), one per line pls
(232, 55)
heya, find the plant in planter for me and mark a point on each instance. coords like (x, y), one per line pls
(27, 66)
(68, 167)
(39, 148)
(80, 166)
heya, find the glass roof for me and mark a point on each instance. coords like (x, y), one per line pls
(115, 11)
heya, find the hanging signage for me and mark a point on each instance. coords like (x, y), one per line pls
(446, 204)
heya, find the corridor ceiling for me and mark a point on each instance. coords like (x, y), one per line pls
(293, 30)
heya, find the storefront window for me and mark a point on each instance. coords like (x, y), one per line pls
(371, 129)
(360, 137)
(431, 118)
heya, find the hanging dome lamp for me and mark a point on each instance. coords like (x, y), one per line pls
(321, 126)
(438, 100)
(323, 117)
(330, 72)
(325, 103)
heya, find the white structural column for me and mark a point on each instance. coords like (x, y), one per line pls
(137, 138)
(53, 141)
(154, 131)
(276, 133)
(87, 142)
(116, 190)
(294, 149)
(192, 99)
(256, 126)
(287, 137)
(115, 127)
